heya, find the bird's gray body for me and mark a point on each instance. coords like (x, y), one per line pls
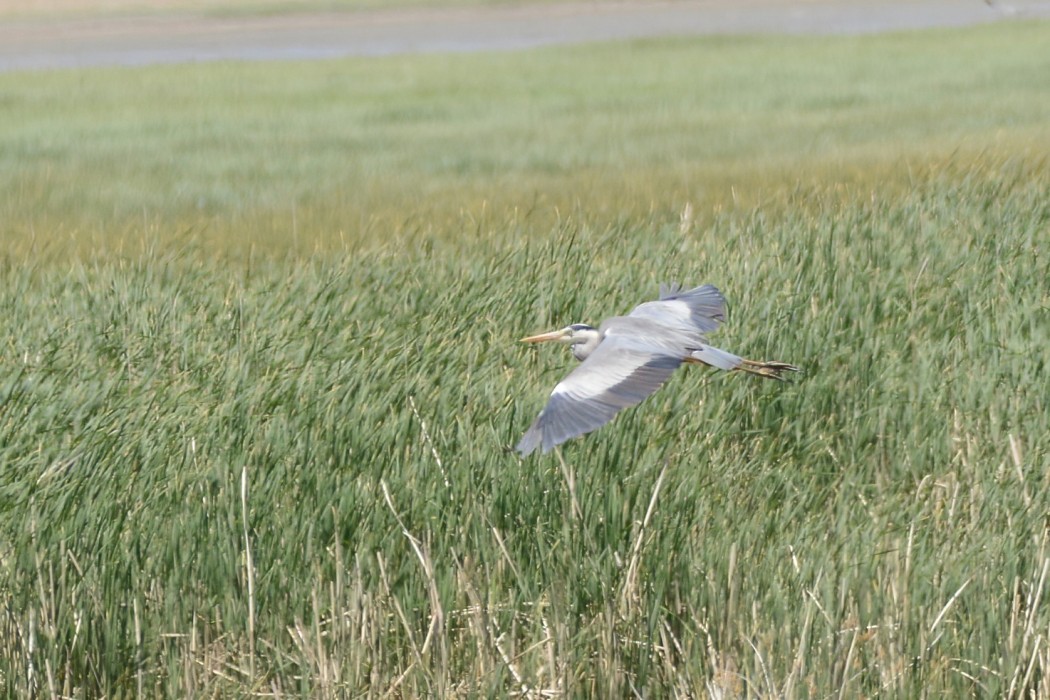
(627, 359)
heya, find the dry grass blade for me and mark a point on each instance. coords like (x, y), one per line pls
(629, 596)
(437, 613)
(249, 572)
(430, 443)
(570, 484)
(948, 605)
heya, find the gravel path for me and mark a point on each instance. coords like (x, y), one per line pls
(184, 38)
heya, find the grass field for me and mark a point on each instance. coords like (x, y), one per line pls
(259, 374)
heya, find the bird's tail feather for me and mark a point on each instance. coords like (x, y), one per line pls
(715, 357)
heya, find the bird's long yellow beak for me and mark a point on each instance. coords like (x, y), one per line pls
(544, 337)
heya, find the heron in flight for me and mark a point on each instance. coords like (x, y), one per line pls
(629, 357)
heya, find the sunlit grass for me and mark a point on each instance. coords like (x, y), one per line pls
(249, 451)
(333, 153)
(878, 526)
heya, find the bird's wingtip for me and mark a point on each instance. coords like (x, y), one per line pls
(528, 444)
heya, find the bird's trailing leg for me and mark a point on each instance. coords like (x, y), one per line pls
(772, 369)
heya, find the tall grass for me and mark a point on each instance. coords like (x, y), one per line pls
(294, 478)
(259, 376)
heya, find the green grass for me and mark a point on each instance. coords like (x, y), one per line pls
(229, 466)
(339, 153)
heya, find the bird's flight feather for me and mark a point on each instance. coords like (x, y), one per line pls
(617, 375)
(702, 308)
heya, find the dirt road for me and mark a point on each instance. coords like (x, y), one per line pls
(174, 38)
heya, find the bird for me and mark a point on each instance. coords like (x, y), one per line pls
(627, 358)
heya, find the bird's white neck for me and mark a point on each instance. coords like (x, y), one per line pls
(584, 342)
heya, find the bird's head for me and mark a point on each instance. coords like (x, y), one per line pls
(582, 338)
(570, 335)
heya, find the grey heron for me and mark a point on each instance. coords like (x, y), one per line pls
(629, 357)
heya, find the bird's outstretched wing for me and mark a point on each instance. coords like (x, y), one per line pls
(702, 308)
(618, 374)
